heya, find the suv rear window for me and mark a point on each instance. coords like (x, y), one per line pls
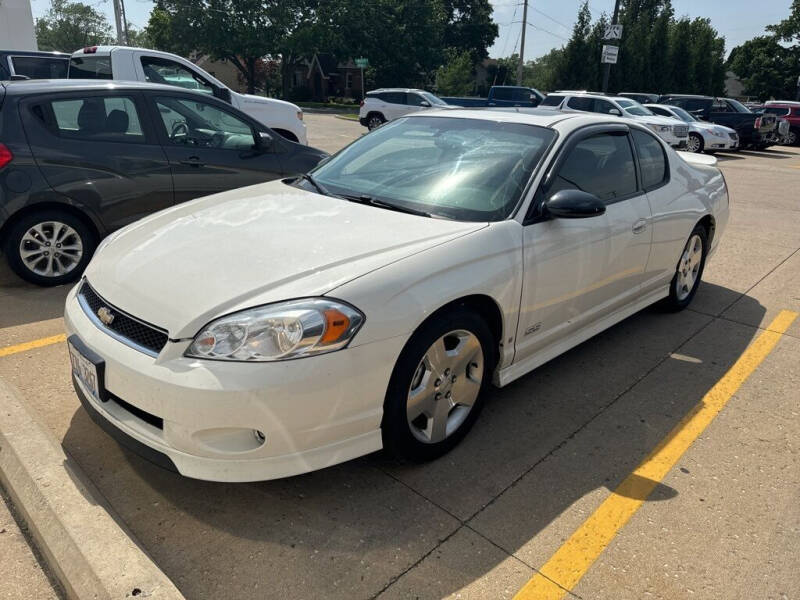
(40, 67)
(90, 67)
(777, 110)
(551, 100)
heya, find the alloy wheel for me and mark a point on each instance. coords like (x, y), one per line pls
(374, 122)
(445, 386)
(689, 267)
(790, 139)
(51, 249)
(693, 143)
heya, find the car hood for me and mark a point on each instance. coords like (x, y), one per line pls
(710, 127)
(184, 266)
(270, 102)
(659, 120)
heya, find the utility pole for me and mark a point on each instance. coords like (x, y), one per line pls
(607, 66)
(522, 42)
(118, 22)
(124, 22)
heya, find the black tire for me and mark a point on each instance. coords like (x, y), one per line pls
(700, 142)
(375, 120)
(87, 237)
(678, 300)
(793, 137)
(398, 438)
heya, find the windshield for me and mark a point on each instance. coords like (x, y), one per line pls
(738, 106)
(433, 99)
(463, 169)
(682, 114)
(90, 67)
(634, 108)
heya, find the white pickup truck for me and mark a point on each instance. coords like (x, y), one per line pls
(140, 64)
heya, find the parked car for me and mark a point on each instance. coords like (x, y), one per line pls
(28, 64)
(788, 115)
(79, 159)
(501, 95)
(387, 104)
(673, 131)
(140, 64)
(703, 137)
(283, 328)
(641, 98)
(753, 130)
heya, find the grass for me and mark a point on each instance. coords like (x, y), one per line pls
(333, 105)
(349, 116)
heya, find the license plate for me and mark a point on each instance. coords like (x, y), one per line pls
(85, 371)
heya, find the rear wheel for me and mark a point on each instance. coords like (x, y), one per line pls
(375, 120)
(50, 247)
(792, 137)
(694, 143)
(689, 270)
(436, 390)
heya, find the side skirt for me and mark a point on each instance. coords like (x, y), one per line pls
(515, 371)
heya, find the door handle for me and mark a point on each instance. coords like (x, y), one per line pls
(639, 226)
(193, 161)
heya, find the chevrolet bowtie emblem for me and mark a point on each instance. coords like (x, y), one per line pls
(105, 315)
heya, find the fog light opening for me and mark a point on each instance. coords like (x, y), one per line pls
(260, 437)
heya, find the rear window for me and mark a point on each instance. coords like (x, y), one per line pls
(777, 110)
(551, 100)
(98, 118)
(40, 67)
(90, 67)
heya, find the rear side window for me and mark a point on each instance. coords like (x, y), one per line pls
(581, 103)
(551, 100)
(690, 104)
(90, 67)
(40, 67)
(107, 119)
(601, 165)
(502, 93)
(652, 160)
(394, 97)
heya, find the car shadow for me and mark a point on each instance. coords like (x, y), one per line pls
(768, 153)
(22, 302)
(578, 424)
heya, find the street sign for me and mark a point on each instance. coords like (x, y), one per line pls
(362, 63)
(613, 32)
(610, 54)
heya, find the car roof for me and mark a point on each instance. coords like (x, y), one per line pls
(782, 103)
(395, 90)
(35, 53)
(47, 86)
(542, 117)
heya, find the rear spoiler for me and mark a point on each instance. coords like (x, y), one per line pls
(698, 159)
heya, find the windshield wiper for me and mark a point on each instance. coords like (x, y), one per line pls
(369, 200)
(317, 185)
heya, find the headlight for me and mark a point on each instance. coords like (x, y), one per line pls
(660, 128)
(279, 331)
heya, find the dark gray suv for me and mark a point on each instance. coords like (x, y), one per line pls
(79, 159)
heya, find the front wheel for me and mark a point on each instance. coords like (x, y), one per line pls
(375, 120)
(694, 143)
(436, 390)
(689, 270)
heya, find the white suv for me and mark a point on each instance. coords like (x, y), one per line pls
(387, 104)
(672, 131)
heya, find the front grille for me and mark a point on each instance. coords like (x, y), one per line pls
(733, 136)
(127, 329)
(681, 130)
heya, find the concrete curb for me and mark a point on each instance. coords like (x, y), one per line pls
(90, 553)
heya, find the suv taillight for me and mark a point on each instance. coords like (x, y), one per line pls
(5, 156)
(757, 124)
(90, 50)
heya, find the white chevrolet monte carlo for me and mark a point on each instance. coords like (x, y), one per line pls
(285, 327)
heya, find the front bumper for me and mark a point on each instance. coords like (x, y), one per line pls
(202, 416)
(719, 142)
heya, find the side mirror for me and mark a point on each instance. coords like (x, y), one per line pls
(424, 103)
(573, 204)
(223, 94)
(265, 142)
(615, 111)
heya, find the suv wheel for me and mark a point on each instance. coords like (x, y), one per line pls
(50, 247)
(792, 137)
(375, 120)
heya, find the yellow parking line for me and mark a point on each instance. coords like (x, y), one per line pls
(48, 341)
(574, 558)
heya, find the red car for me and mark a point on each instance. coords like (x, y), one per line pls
(786, 109)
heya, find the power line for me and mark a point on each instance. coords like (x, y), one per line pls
(546, 16)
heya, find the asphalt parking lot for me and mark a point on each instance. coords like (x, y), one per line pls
(551, 453)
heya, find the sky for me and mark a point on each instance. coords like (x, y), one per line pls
(550, 21)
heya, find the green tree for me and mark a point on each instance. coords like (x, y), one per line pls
(767, 69)
(504, 71)
(455, 77)
(542, 72)
(469, 27)
(788, 30)
(68, 26)
(575, 69)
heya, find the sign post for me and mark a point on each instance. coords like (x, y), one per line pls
(610, 55)
(613, 32)
(362, 64)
